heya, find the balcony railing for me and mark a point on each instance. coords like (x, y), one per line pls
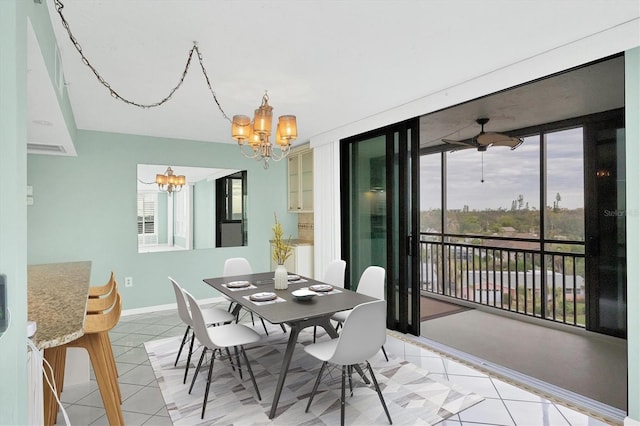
(517, 275)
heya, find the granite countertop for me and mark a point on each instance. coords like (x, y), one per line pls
(57, 296)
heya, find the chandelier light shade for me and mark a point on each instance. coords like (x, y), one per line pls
(255, 134)
(169, 182)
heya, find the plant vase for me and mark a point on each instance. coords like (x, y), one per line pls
(280, 281)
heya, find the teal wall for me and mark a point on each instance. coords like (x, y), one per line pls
(13, 138)
(632, 129)
(85, 209)
(204, 214)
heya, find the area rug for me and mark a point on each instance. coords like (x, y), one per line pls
(412, 396)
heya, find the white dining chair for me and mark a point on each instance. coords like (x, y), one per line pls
(333, 275)
(239, 266)
(218, 338)
(363, 333)
(212, 316)
(371, 283)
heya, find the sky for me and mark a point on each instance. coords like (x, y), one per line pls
(507, 174)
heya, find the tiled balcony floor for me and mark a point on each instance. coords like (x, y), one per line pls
(143, 404)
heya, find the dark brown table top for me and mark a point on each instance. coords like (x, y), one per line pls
(291, 310)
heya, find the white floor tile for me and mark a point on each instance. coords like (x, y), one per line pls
(489, 411)
(510, 392)
(456, 368)
(431, 364)
(576, 418)
(535, 413)
(483, 386)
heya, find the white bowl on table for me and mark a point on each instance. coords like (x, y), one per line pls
(303, 294)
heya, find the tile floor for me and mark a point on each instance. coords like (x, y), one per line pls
(142, 404)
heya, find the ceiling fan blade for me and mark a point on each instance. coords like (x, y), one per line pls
(513, 142)
(464, 143)
(498, 139)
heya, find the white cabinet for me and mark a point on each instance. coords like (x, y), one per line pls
(300, 174)
(300, 262)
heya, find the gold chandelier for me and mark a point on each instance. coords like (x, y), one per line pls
(168, 182)
(255, 134)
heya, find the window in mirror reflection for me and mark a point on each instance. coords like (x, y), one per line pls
(188, 218)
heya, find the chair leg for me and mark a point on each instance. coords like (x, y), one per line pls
(186, 368)
(193, 381)
(344, 369)
(284, 330)
(264, 326)
(253, 379)
(233, 367)
(375, 382)
(235, 348)
(315, 386)
(350, 372)
(385, 354)
(314, 333)
(206, 392)
(184, 340)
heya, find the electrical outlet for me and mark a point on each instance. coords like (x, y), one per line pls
(128, 281)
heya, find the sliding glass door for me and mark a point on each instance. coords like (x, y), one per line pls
(379, 201)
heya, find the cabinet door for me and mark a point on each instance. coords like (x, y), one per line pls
(294, 182)
(306, 181)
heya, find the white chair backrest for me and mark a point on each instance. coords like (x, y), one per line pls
(363, 333)
(372, 282)
(183, 308)
(334, 273)
(198, 325)
(236, 266)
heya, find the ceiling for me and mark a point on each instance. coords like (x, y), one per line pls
(331, 63)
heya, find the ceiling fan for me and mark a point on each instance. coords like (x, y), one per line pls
(483, 140)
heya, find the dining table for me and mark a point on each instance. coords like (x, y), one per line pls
(288, 309)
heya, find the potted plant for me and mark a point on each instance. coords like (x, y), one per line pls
(281, 252)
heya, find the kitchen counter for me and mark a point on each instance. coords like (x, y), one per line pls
(57, 301)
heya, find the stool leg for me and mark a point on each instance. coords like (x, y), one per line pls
(56, 358)
(108, 353)
(101, 367)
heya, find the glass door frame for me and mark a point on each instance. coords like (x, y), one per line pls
(402, 249)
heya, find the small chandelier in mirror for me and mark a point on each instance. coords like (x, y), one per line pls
(169, 182)
(255, 134)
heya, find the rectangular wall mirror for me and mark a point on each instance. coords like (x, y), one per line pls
(187, 208)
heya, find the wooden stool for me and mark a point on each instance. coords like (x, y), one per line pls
(96, 342)
(101, 290)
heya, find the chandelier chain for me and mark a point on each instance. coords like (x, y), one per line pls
(59, 6)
